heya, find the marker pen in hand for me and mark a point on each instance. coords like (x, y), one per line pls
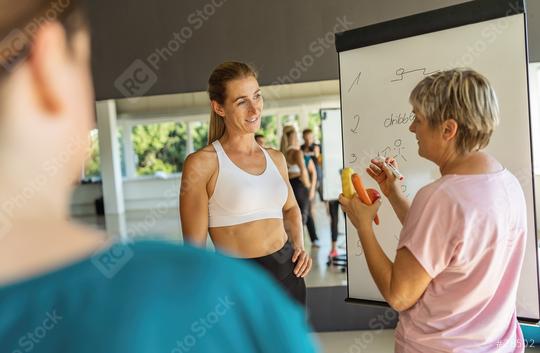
(394, 170)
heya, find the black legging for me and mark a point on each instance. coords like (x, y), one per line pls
(301, 193)
(333, 207)
(310, 223)
(280, 266)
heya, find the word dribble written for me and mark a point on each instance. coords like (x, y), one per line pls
(399, 119)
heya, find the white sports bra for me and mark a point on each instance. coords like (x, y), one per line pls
(293, 168)
(240, 197)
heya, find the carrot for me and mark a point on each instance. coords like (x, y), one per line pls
(362, 193)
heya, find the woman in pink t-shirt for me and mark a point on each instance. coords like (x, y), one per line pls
(455, 276)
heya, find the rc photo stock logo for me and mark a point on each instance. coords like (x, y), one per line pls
(15, 45)
(136, 80)
(141, 75)
(12, 47)
(112, 260)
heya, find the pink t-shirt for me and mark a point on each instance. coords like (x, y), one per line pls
(469, 233)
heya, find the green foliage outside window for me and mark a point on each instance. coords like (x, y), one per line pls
(271, 128)
(314, 123)
(270, 131)
(160, 147)
(92, 169)
(200, 135)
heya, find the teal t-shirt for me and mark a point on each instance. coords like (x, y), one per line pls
(151, 297)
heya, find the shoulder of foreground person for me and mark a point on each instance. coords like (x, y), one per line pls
(152, 297)
(188, 280)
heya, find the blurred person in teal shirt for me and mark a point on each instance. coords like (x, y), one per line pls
(65, 288)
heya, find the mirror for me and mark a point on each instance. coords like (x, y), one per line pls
(154, 135)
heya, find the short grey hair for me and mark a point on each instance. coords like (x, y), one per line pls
(463, 95)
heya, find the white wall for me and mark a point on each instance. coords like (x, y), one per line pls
(82, 199)
(143, 193)
(151, 192)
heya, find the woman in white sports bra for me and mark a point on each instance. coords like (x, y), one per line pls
(238, 191)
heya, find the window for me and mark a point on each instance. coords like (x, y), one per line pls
(119, 137)
(159, 147)
(314, 123)
(291, 119)
(272, 128)
(199, 134)
(92, 169)
(269, 128)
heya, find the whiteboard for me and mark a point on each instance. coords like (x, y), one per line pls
(375, 82)
(332, 153)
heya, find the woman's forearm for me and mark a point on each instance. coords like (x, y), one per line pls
(292, 219)
(401, 206)
(304, 177)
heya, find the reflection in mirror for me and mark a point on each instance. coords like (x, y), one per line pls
(142, 167)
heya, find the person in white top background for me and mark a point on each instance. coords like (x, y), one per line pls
(302, 177)
(238, 191)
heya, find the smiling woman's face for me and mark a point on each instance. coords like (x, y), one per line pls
(429, 140)
(243, 106)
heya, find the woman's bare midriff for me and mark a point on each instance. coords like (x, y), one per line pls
(253, 239)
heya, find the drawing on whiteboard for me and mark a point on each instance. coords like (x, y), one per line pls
(399, 119)
(385, 153)
(359, 250)
(355, 82)
(355, 130)
(398, 147)
(393, 152)
(404, 190)
(400, 73)
(364, 158)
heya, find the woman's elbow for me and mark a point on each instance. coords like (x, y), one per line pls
(194, 239)
(292, 213)
(399, 303)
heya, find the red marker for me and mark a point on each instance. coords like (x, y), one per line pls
(362, 193)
